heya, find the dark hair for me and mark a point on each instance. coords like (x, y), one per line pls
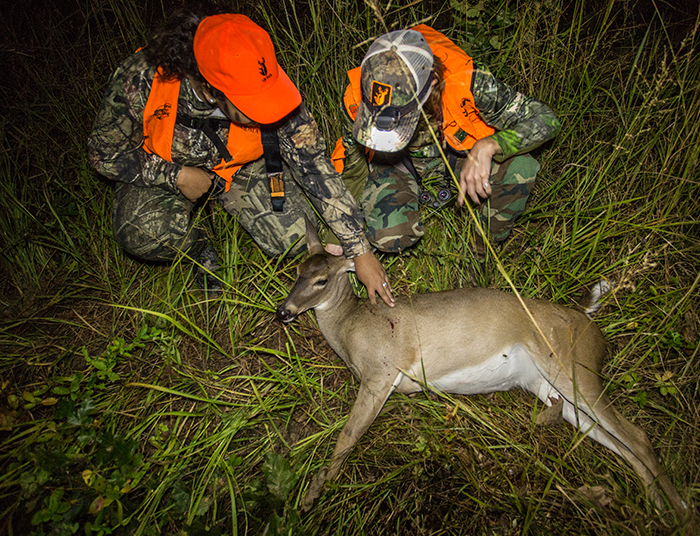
(170, 46)
(433, 106)
(435, 99)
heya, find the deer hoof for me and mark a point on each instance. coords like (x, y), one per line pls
(314, 490)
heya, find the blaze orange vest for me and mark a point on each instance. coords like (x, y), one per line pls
(461, 124)
(244, 143)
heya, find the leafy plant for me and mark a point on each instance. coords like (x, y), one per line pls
(270, 496)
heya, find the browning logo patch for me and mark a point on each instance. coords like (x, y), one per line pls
(461, 135)
(381, 94)
(163, 111)
(464, 104)
(264, 72)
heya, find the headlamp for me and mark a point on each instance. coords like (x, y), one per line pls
(388, 118)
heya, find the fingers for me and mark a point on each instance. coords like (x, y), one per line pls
(476, 189)
(372, 275)
(386, 293)
(483, 190)
(476, 172)
(334, 249)
(474, 181)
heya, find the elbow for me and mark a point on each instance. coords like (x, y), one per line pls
(556, 125)
(94, 158)
(552, 122)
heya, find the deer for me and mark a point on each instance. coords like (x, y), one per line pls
(465, 341)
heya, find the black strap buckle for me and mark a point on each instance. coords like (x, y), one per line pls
(273, 166)
(276, 191)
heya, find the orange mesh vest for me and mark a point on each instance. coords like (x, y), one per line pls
(159, 117)
(461, 123)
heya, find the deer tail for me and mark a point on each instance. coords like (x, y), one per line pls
(595, 294)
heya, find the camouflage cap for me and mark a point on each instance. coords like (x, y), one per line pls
(396, 80)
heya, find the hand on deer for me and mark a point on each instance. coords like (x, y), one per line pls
(372, 275)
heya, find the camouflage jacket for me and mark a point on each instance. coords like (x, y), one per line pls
(522, 124)
(115, 149)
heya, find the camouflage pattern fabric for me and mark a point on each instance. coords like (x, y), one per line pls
(249, 200)
(511, 185)
(154, 224)
(392, 211)
(115, 150)
(390, 206)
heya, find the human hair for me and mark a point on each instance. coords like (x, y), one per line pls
(435, 98)
(433, 106)
(171, 45)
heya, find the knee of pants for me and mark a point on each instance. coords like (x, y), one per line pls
(158, 245)
(279, 236)
(398, 237)
(277, 249)
(518, 170)
(156, 236)
(153, 224)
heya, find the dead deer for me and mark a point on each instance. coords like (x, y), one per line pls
(465, 341)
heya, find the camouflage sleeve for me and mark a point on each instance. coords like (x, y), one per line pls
(356, 169)
(522, 123)
(303, 148)
(114, 145)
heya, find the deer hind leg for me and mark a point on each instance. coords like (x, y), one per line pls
(588, 408)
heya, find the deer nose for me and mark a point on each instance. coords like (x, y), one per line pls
(283, 314)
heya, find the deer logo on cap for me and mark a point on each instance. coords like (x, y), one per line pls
(263, 67)
(381, 94)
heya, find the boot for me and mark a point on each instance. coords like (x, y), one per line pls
(205, 278)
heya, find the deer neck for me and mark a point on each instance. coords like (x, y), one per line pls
(335, 312)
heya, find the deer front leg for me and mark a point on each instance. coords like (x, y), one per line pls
(370, 400)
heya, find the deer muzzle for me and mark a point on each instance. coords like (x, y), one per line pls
(284, 314)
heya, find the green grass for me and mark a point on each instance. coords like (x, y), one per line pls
(130, 404)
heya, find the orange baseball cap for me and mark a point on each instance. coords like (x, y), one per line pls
(237, 57)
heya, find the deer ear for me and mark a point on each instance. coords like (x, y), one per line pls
(313, 244)
(349, 265)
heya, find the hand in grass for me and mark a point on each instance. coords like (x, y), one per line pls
(474, 177)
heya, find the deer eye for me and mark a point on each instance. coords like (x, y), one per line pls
(321, 283)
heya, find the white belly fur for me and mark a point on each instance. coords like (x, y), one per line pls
(509, 368)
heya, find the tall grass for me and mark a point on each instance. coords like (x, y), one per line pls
(131, 404)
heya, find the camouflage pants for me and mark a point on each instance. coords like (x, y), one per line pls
(156, 225)
(389, 199)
